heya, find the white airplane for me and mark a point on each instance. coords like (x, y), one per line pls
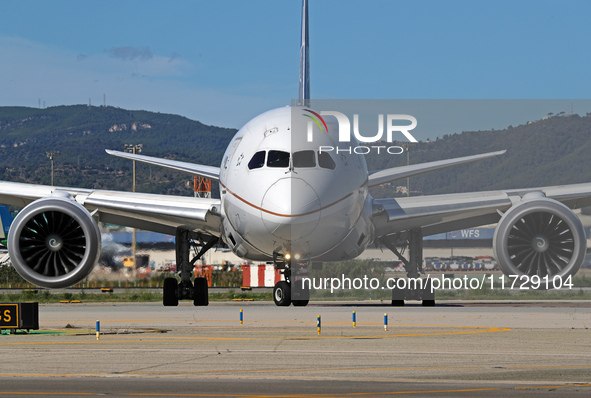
(284, 200)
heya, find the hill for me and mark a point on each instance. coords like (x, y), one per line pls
(82, 133)
(553, 151)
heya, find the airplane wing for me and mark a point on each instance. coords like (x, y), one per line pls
(443, 213)
(210, 172)
(158, 213)
(537, 233)
(396, 173)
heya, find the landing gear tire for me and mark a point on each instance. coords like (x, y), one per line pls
(301, 296)
(169, 297)
(282, 294)
(428, 303)
(397, 303)
(200, 290)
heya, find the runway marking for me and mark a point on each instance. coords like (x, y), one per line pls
(235, 371)
(235, 321)
(91, 322)
(540, 387)
(146, 339)
(439, 391)
(44, 393)
(257, 395)
(362, 369)
(314, 395)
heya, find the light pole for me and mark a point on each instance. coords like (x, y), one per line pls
(133, 149)
(51, 155)
(406, 146)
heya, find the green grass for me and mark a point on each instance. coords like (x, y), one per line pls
(45, 296)
(139, 295)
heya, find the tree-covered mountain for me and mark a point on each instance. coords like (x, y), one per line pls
(552, 151)
(82, 133)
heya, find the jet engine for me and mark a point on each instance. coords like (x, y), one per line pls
(539, 236)
(54, 242)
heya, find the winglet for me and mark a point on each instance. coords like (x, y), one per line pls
(397, 173)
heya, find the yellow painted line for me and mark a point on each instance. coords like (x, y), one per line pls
(545, 367)
(51, 375)
(128, 320)
(357, 370)
(145, 339)
(139, 394)
(316, 395)
(144, 394)
(190, 320)
(467, 390)
(262, 395)
(424, 392)
(193, 339)
(300, 370)
(44, 393)
(251, 371)
(347, 322)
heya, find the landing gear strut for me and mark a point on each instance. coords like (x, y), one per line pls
(415, 287)
(186, 289)
(286, 292)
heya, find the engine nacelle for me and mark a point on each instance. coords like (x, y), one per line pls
(539, 236)
(54, 242)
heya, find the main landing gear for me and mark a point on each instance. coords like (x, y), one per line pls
(185, 289)
(285, 292)
(415, 288)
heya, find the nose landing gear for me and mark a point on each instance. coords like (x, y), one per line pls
(291, 290)
(282, 294)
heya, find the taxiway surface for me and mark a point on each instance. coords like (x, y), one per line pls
(467, 349)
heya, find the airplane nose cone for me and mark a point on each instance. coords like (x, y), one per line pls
(290, 209)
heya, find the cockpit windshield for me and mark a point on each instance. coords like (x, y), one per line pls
(325, 160)
(257, 161)
(278, 159)
(300, 159)
(304, 159)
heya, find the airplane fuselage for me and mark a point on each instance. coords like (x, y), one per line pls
(280, 194)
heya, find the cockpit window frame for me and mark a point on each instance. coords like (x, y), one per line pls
(283, 159)
(277, 159)
(302, 162)
(254, 163)
(322, 161)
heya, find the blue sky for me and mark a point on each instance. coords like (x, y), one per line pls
(223, 62)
